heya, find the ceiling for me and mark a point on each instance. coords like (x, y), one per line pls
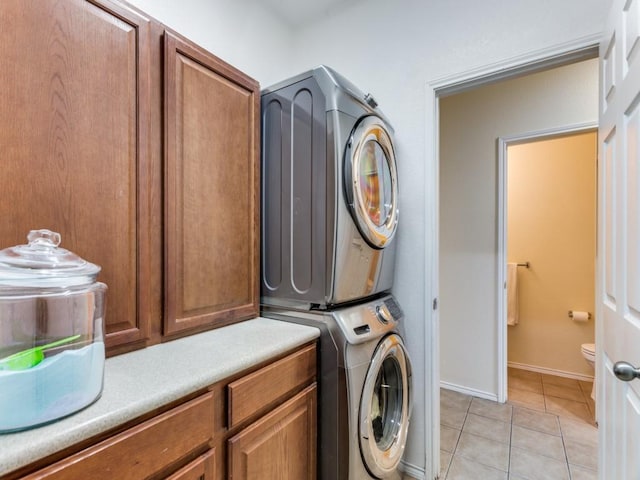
(300, 12)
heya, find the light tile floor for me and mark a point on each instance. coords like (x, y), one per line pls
(544, 432)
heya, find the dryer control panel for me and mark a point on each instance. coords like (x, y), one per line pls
(373, 319)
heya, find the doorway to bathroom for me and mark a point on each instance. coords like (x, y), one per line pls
(472, 334)
(472, 112)
(547, 226)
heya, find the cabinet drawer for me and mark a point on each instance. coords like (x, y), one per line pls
(254, 392)
(202, 468)
(142, 450)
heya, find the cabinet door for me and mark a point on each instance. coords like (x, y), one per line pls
(211, 190)
(281, 446)
(74, 139)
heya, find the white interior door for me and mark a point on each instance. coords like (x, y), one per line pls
(618, 300)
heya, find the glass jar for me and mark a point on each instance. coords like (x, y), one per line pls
(51, 332)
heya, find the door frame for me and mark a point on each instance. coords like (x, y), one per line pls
(503, 144)
(581, 49)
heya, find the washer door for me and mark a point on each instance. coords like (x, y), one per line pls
(371, 185)
(385, 408)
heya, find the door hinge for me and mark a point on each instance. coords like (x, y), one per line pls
(435, 303)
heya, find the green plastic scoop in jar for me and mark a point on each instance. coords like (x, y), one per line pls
(31, 357)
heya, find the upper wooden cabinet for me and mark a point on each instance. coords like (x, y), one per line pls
(131, 141)
(211, 189)
(74, 137)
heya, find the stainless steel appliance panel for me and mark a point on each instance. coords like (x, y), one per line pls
(313, 253)
(294, 193)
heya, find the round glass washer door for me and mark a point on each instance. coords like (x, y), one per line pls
(385, 408)
(371, 181)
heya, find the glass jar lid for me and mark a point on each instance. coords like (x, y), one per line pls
(43, 263)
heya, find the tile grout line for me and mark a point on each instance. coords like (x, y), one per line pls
(455, 448)
(466, 415)
(564, 448)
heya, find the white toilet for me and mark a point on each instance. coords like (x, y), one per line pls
(589, 353)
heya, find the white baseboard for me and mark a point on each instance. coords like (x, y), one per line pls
(469, 391)
(551, 371)
(416, 472)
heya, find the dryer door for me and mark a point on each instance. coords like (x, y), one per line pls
(371, 184)
(385, 408)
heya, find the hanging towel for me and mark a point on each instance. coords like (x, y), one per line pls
(512, 294)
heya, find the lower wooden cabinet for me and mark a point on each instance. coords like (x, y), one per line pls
(143, 450)
(273, 436)
(281, 445)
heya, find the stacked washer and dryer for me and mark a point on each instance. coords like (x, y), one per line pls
(329, 216)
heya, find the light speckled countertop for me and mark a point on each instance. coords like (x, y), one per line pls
(138, 382)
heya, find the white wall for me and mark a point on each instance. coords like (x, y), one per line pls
(394, 49)
(240, 32)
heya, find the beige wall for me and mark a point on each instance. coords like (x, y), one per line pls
(470, 125)
(551, 204)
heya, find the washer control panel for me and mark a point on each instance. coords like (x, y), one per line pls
(393, 307)
(373, 319)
